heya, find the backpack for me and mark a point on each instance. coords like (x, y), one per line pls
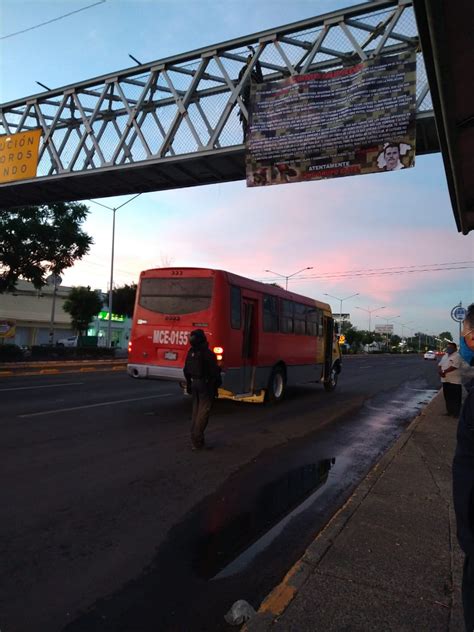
(194, 365)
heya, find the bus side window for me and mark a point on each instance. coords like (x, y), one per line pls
(286, 322)
(235, 308)
(300, 319)
(270, 313)
(314, 321)
(321, 325)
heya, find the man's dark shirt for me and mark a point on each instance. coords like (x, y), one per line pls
(211, 377)
(463, 476)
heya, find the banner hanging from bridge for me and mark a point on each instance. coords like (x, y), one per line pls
(356, 120)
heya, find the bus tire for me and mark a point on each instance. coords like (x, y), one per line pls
(276, 385)
(331, 383)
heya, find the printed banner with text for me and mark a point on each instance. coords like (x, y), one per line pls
(356, 120)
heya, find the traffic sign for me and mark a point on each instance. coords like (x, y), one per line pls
(458, 313)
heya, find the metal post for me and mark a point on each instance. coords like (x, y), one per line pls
(286, 277)
(109, 328)
(53, 309)
(109, 324)
(338, 298)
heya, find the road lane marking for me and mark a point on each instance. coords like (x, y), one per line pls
(110, 403)
(25, 388)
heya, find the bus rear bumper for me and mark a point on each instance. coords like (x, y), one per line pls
(151, 372)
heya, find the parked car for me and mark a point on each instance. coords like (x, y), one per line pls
(430, 355)
(68, 342)
(26, 350)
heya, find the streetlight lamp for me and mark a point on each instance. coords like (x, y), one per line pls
(340, 304)
(405, 326)
(288, 276)
(387, 321)
(113, 209)
(370, 312)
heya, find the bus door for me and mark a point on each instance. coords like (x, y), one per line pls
(328, 342)
(249, 345)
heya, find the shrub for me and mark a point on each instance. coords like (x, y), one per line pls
(10, 353)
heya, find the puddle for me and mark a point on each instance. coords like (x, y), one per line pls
(238, 539)
(239, 542)
(235, 536)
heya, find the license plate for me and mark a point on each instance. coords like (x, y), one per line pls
(171, 355)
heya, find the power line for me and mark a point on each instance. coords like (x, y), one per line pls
(367, 272)
(61, 17)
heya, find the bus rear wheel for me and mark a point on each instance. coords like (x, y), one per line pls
(331, 383)
(276, 385)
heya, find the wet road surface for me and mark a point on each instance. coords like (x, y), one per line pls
(112, 516)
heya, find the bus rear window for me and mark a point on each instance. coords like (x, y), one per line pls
(175, 296)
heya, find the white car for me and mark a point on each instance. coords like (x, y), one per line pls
(68, 342)
(430, 355)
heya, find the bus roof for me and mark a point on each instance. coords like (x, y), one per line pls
(244, 282)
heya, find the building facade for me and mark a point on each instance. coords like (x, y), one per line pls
(35, 317)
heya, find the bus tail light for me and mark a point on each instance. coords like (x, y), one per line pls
(219, 352)
(129, 346)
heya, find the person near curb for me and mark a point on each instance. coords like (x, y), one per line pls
(463, 484)
(449, 371)
(202, 375)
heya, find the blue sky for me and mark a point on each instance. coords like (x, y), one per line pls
(335, 226)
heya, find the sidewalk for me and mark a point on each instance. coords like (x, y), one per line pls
(389, 559)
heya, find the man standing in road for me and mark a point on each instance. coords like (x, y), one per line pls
(449, 369)
(463, 484)
(202, 375)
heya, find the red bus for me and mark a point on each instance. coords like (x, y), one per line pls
(265, 338)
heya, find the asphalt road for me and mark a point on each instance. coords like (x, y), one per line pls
(110, 522)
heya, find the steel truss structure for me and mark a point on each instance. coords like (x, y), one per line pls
(176, 122)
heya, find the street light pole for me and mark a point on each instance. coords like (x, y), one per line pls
(54, 280)
(370, 312)
(113, 209)
(288, 276)
(387, 321)
(340, 305)
(405, 326)
(109, 322)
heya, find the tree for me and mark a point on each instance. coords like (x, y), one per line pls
(82, 304)
(354, 338)
(445, 334)
(37, 240)
(345, 326)
(123, 299)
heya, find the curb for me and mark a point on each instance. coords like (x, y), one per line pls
(281, 596)
(64, 369)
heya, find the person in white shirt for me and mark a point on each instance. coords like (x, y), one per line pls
(449, 369)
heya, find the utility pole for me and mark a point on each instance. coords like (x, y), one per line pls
(288, 276)
(111, 285)
(340, 308)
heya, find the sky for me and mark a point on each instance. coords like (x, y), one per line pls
(350, 231)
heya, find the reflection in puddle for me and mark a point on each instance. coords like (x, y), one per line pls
(237, 528)
(236, 539)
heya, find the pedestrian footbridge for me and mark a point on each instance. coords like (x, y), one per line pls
(175, 122)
